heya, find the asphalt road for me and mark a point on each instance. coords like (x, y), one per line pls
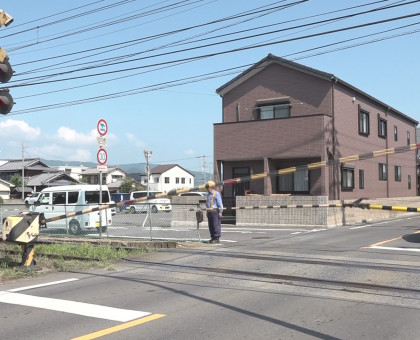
(352, 282)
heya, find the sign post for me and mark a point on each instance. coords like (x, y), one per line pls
(102, 158)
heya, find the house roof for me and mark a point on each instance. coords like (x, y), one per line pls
(10, 185)
(51, 179)
(25, 190)
(32, 164)
(115, 185)
(272, 59)
(160, 169)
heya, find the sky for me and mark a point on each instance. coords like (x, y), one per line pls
(151, 68)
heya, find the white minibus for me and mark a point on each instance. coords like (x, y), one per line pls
(62, 200)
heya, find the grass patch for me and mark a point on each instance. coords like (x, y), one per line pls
(66, 257)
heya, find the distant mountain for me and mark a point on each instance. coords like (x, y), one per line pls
(71, 163)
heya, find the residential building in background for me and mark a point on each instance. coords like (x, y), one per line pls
(166, 177)
(113, 177)
(74, 171)
(279, 114)
(5, 189)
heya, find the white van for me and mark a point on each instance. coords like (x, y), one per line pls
(155, 204)
(62, 200)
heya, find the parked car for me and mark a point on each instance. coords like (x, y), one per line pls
(32, 198)
(194, 193)
(118, 197)
(155, 204)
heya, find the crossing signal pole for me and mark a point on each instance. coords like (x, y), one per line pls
(6, 71)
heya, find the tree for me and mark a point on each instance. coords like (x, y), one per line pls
(126, 185)
(16, 179)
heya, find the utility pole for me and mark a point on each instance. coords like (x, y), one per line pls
(204, 168)
(23, 171)
(147, 155)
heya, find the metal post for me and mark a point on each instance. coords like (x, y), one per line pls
(100, 203)
(148, 155)
(23, 172)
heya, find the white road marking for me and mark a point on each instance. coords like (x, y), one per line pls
(72, 307)
(42, 285)
(395, 248)
(362, 226)
(244, 232)
(264, 229)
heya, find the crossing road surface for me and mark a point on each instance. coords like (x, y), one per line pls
(352, 282)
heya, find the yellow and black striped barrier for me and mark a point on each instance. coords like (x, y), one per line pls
(23, 230)
(388, 207)
(356, 204)
(293, 206)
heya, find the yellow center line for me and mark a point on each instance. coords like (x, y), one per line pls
(121, 327)
(383, 242)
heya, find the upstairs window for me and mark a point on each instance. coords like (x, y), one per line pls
(408, 137)
(364, 128)
(278, 110)
(382, 127)
(382, 172)
(395, 133)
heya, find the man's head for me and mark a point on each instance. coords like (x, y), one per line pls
(210, 185)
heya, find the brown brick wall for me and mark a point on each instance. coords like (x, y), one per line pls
(308, 95)
(274, 138)
(350, 142)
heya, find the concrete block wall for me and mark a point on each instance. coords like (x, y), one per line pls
(280, 216)
(318, 217)
(298, 217)
(183, 210)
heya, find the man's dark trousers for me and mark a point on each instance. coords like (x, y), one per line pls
(215, 224)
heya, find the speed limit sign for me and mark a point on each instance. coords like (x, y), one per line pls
(102, 156)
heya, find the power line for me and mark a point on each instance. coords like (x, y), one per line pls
(222, 72)
(155, 87)
(204, 77)
(204, 55)
(148, 38)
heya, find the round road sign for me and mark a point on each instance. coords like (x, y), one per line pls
(102, 127)
(102, 156)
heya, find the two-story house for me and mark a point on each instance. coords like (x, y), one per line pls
(167, 177)
(113, 177)
(279, 114)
